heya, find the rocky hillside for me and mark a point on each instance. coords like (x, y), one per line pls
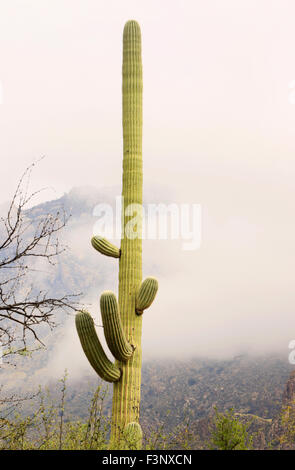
(187, 391)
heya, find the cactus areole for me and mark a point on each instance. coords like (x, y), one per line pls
(122, 320)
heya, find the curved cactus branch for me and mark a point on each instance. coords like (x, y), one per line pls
(146, 294)
(113, 329)
(105, 247)
(93, 349)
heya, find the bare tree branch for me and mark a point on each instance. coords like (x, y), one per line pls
(24, 238)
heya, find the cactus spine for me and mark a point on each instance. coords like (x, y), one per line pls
(123, 320)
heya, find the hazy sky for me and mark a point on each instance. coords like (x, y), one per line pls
(216, 77)
(219, 130)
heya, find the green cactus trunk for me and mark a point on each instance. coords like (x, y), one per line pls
(126, 393)
(123, 322)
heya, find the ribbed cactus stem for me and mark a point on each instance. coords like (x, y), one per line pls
(105, 247)
(93, 349)
(126, 395)
(146, 294)
(113, 330)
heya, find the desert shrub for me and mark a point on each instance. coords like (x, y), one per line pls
(229, 433)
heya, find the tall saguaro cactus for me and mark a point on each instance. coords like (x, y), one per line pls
(122, 320)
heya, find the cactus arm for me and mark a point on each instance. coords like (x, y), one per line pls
(133, 436)
(93, 349)
(146, 294)
(105, 247)
(113, 330)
